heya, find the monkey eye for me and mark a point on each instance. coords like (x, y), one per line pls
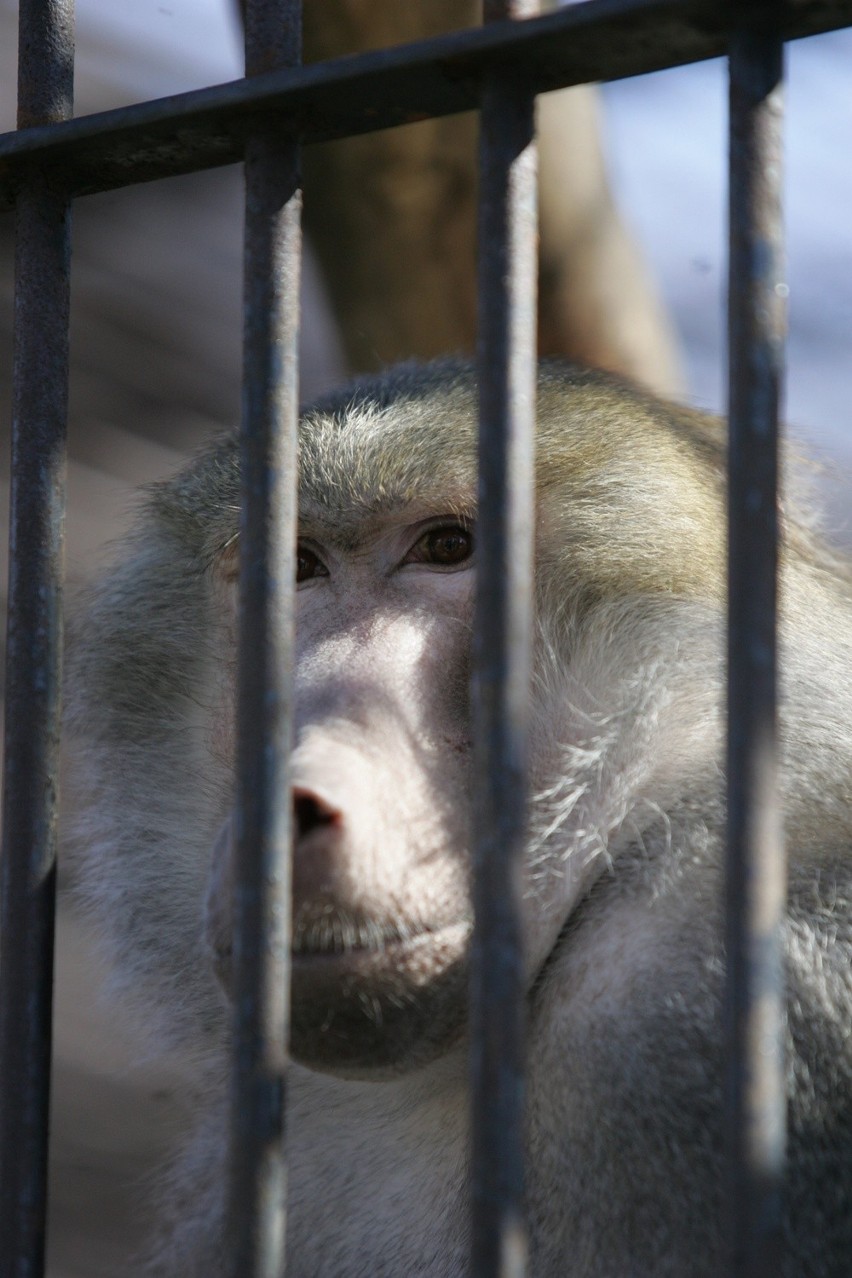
(445, 546)
(308, 565)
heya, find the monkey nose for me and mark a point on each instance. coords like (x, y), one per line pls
(311, 812)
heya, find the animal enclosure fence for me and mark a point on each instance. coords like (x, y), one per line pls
(263, 120)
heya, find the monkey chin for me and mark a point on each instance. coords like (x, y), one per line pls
(372, 1013)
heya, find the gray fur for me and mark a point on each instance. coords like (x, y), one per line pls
(623, 880)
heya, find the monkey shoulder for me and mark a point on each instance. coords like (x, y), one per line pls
(378, 1173)
(626, 1069)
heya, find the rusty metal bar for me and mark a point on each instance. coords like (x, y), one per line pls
(756, 871)
(597, 40)
(34, 644)
(258, 1179)
(508, 228)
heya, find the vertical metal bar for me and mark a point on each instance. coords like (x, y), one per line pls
(756, 882)
(508, 229)
(34, 644)
(258, 1185)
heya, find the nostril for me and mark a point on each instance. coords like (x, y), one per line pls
(311, 812)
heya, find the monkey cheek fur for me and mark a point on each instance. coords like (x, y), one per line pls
(373, 1013)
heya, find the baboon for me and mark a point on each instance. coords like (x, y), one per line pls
(623, 871)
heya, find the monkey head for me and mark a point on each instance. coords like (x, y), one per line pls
(382, 914)
(381, 765)
(381, 759)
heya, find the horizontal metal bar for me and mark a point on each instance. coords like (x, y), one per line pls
(598, 40)
(756, 878)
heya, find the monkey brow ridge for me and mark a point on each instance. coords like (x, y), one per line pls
(372, 461)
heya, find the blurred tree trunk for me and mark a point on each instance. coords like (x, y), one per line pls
(392, 217)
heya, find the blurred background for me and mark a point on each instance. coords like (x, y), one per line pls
(156, 339)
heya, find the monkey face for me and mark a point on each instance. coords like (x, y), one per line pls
(381, 763)
(381, 914)
(381, 901)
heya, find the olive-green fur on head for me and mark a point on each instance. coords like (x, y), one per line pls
(630, 490)
(617, 470)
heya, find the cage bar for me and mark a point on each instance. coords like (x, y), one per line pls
(508, 231)
(756, 870)
(596, 40)
(263, 118)
(258, 1174)
(34, 647)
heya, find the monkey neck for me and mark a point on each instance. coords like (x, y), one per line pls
(416, 1153)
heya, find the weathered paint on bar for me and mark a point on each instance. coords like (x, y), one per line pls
(508, 238)
(34, 649)
(597, 40)
(756, 872)
(258, 1180)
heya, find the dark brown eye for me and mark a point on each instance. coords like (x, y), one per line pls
(308, 565)
(445, 547)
